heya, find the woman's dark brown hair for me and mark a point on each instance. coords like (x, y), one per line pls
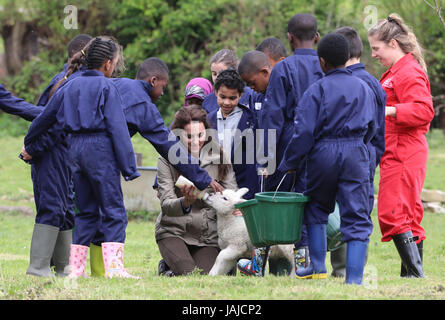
(195, 112)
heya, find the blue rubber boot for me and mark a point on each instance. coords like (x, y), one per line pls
(317, 253)
(355, 261)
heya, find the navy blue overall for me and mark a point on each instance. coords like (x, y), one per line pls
(288, 81)
(50, 172)
(16, 106)
(89, 109)
(335, 120)
(44, 98)
(376, 146)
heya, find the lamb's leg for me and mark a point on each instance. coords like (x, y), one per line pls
(225, 261)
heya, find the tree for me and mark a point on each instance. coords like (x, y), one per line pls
(186, 33)
(438, 9)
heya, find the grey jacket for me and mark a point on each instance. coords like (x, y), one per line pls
(198, 227)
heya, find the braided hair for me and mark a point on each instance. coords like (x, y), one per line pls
(92, 56)
(98, 52)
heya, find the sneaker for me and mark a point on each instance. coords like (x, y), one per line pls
(255, 266)
(301, 256)
(248, 267)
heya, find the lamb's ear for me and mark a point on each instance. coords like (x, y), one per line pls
(241, 192)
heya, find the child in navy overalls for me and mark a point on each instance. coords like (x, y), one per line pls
(53, 187)
(89, 109)
(334, 122)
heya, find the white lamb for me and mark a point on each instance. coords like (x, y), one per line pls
(233, 238)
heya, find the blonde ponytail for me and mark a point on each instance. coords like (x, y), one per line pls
(394, 28)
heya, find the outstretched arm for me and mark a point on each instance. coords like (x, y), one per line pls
(16, 106)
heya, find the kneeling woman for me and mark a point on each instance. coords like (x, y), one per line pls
(186, 227)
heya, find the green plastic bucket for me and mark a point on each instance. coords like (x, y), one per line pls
(274, 218)
(333, 230)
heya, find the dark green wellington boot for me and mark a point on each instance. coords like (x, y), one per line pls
(338, 261)
(61, 254)
(43, 241)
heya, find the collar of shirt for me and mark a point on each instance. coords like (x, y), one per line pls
(236, 110)
(406, 59)
(92, 73)
(356, 66)
(147, 86)
(339, 70)
(306, 52)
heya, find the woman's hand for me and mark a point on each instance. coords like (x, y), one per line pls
(25, 155)
(390, 111)
(237, 213)
(216, 187)
(190, 195)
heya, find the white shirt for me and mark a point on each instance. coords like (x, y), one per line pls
(227, 126)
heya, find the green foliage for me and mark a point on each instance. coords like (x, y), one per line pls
(35, 76)
(429, 32)
(186, 33)
(12, 125)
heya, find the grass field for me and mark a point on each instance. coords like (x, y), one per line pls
(382, 281)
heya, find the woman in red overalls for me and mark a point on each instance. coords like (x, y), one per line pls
(409, 112)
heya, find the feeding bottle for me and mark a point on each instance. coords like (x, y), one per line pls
(183, 181)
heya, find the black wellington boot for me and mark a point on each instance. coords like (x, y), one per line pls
(403, 270)
(409, 253)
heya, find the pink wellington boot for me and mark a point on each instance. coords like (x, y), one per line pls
(113, 255)
(78, 260)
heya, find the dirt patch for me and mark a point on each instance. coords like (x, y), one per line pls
(27, 211)
(12, 257)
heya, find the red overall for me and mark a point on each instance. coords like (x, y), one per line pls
(403, 165)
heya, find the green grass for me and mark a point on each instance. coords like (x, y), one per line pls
(435, 173)
(15, 175)
(142, 254)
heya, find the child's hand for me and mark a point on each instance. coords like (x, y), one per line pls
(237, 213)
(25, 155)
(390, 111)
(216, 187)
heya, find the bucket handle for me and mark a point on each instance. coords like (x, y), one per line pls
(279, 185)
(262, 183)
